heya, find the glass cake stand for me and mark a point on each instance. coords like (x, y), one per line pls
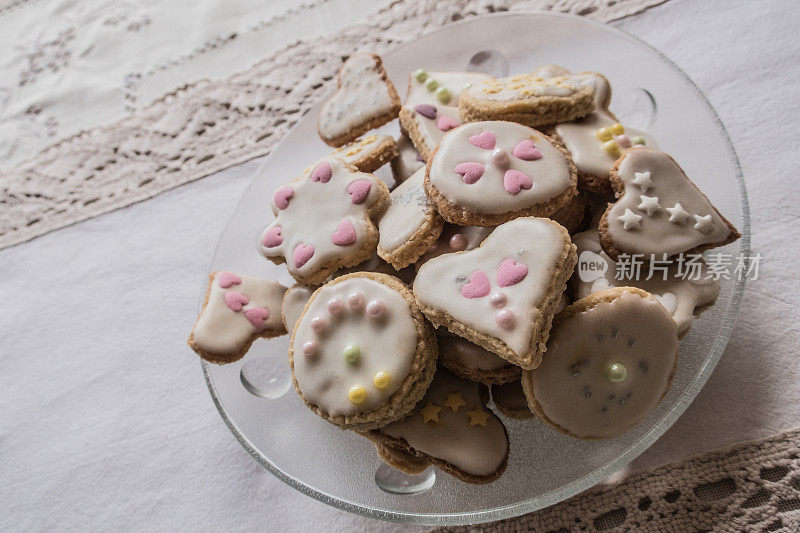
(256, 398)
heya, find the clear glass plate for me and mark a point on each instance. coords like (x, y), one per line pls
(255, 396)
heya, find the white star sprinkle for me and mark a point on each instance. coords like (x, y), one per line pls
(630, 220)
(649, 204)
(703, 224)
(642, 180)
(678, 214)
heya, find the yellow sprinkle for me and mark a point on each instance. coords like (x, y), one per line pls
(617, 129)
(381, 379)
(430, 413)
(357, 394)
(611, 148)
(454, 401)
(477, 417)
(604, 134)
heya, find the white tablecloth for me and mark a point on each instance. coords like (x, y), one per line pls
(106, 421)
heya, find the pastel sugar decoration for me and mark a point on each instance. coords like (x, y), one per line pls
(335, 306)
(458, 242)
(344, 235)
(426, 110)
(236, 300)
(514, 181)
(443, 95)
(498, 299)
(352, 353)
(381, 379)
(505, 318)
(478, 286)
(420, 75)
(510, 272)
(357, 394)
(485, 140)
(359, 190)
(376, 308)
(616, 372)
(302, 253)
(446, 123)
(470, 171)
(282, 196)
(272, 237)
(257, 316)
(431, 84)
(310, 349)
(319, 324)
(500, 158)
(228, 279)
(322, 173)
(355, 300)
(526, 150)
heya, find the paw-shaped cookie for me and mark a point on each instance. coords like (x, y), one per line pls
(364, 100)
(369, 153)
(535, 99)
(410, 224)
(682, 296)
(431, 106)
(324, 220)
(503, 295)
(450, 428)
(361, 353)
(609, 361)
(659, 210)
(238, 309)
(486, 173)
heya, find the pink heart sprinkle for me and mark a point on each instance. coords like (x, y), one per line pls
(446, 123)
(345, 234)
(281, 197)
(478, 286)
(272, 237)
(426, 110)
(359, 190)
(322, 173)
(257, 316)
(526, 151)
(514, 180)
(510, 273)
(470, 171)
(227, 279)
(236, 300)
(302, 253)
(485, 140)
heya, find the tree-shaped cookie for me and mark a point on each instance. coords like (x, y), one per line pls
(486, 173)
(237, 310)
(324, 220)
(502, 295)
(659, 210)
(364, 100)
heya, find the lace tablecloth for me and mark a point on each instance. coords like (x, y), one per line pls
(106, 420)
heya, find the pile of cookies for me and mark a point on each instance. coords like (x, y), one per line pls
(417, 304)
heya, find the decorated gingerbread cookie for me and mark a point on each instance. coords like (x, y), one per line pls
(486, 173)
(407, 161)
(410, 224)
(684, 290)
(431, 106)
(294, 301)
(455, 238)
(364, 100)
(509, 398)
(609, 361)
(597, 140)
(361, 353)
(535, 99)
(238, 309)
(324, 220)
(450, 428)
(503, 295)
(369, 153)
(470, 361)
(659, 210)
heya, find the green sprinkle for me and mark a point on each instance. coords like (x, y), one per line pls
(352, 353)
(431, 84)
(443, 95)
(638, 140)
(420, 75)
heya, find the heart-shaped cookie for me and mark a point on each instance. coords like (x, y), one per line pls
(503, 294)
(659, 211)
(364, 100)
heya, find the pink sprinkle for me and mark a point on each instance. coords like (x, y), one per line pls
(485, 140)
(470, 171)
(458, 242)
(500, 158)
(318, 324)
(510, 273)
(446, 123)
(272, 237)
(514, 181)
(478, 286)
(310, 349)
(236, 300)
(227, 279)
(526, 151)
(624, 141)
(335, 306)
(345, 234)
(359, 190)
(322, 172)
(498, 299)
(355, 300)
(426, 110)
(505, 318)
(257, 317)
(376, 308)
(302, 253)
(281, 197)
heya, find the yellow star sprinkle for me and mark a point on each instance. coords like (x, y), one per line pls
(454, 401)
(430, 413)
(478, 417)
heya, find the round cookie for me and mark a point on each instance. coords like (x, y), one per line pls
(470, 361)
(324, 220)
(450, 428)
(509, 398)
(369, 153)
(410, 225)
(487, 173)
(294, 301)
(237, 310)
(361, 353)
(610, 359)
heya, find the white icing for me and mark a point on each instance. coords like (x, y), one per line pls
(470, 238)
(363, 95)
(361, 149)
(220, 330)
(686, 295)
(407, 161)
(293, 303)
(524, 86)
(386, 344)
(408, 211)
(550, 174)
(535, 242)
